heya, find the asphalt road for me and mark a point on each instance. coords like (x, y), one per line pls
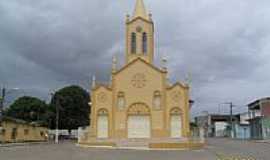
(69, 151)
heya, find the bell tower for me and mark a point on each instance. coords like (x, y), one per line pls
(139, 35)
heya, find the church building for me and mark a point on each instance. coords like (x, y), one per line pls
(139, 106)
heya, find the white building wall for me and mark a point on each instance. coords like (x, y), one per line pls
(244, 117)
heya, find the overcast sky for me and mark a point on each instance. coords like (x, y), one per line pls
(223, 44)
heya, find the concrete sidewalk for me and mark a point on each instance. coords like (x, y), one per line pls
(23, 144)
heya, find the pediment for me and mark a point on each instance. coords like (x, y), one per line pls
(139, 60)
(102, 86)
(178, 84)
(140, 18)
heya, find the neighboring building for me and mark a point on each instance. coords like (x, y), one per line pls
(139, 103)
(259, 113)
(215, 125)
(242, 127)
(64, 134)
(82, 133)
(14, 130)
(203, 122)
(244, 118)
(221, 129)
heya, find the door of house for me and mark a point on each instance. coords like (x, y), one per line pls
(14, 133)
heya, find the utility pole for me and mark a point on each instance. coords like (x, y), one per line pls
(2, 100)
(231, 119)
(57, 121)
(231, 123)
(4, 92)
(57, 107)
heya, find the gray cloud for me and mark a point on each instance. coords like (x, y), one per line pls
(223, 44)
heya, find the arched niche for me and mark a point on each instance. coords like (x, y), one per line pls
(103, 112)
(138, 109)
(176, 111)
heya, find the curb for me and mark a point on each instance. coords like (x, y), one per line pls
(262, 141)
(133, 148)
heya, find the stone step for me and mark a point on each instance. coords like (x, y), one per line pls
(133, 143)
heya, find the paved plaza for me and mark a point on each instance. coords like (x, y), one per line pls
(69, 151)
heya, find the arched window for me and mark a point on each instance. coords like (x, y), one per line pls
(121, 102)
(157, 100)
(133, 43)
(176, 111)
(103, 112)
(144, 43)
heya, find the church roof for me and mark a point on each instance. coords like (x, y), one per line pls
(20, 121)
(142, 60)
(140, 10)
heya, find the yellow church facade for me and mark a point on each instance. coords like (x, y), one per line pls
(139, 104)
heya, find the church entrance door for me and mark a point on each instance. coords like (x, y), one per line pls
(102, 129)
(176, 126)
(139, 126)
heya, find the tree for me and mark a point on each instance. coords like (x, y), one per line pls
(73, 107)
(29, 109)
